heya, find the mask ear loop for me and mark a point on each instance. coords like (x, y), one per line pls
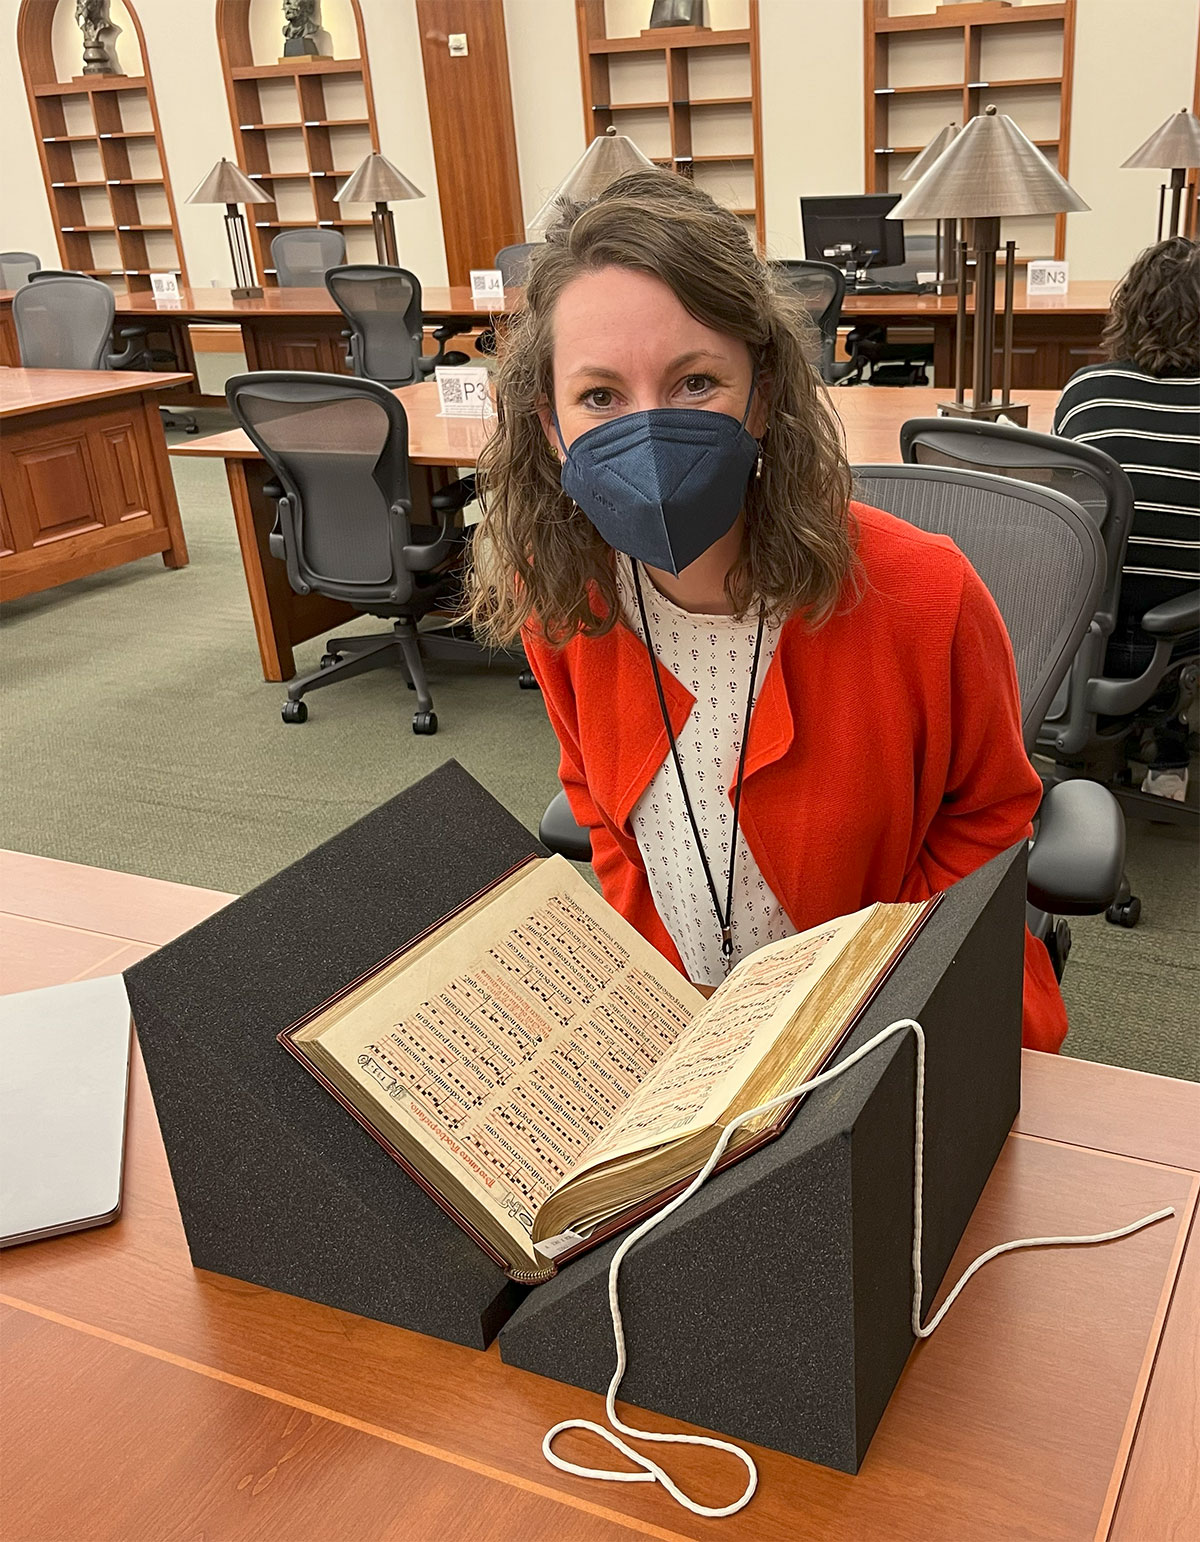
(558, 431)
(758, 464)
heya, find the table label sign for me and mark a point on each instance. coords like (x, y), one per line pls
(463, 391)
(165, 286)
(1046, 277)
(487, 286)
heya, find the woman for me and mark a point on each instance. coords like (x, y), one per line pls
(666, 470)
(1142, 407)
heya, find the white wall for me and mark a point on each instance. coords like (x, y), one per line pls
(27, 226)
(1134, 64)
(543, 65)
(812, 114)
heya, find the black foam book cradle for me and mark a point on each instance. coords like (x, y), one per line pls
(773, 1307)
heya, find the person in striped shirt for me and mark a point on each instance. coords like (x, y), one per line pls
(1142, 407)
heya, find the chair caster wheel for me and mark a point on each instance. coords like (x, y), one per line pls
(1124, 912)
(328, 660)
(527, 680)
(410, 685)
(295, 712)
(424, 722)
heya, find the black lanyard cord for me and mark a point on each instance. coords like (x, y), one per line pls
(724, 918)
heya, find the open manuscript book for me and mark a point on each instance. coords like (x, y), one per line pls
(548, 1077)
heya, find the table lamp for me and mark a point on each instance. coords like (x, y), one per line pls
(990, 170)
(946, 250)
(609, 156)
(377, 181)
(1174, 145)
(229, 184)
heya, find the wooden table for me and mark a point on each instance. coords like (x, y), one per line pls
(872, 416)
(144, 1399)
(87, 484)
(1053, 335)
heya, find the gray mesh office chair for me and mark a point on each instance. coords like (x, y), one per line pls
(338, 449)
(303, 257)
(383, 307)
(513, 261)
(65, 321)
(1047, 600)
(822, 287)
(15, 268)
(1098, 721)
(69, 326)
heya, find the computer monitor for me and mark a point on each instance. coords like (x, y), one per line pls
(857, 220)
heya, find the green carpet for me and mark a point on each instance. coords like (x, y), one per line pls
(138, 734)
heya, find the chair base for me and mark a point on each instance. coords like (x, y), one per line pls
(346, 656)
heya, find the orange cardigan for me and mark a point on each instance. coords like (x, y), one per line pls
(885, 758)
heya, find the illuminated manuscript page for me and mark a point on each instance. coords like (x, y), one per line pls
(512, 1042)
(709, 1063)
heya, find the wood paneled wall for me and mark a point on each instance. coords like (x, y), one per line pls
(474, 142)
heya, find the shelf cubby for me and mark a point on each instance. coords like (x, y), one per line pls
(925, 69)
(100, 145)
(300, 127)
(688, 97)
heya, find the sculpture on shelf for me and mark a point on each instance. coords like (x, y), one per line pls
(91, 17)
(301, 23)
(677, 13)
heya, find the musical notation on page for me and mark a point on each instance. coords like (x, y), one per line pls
(518, 1065)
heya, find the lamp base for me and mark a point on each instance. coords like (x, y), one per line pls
(990, 412)
(247, 292)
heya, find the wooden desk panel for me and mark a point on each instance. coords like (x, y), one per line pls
(24, 391)
(871, 417)
(1014, 1420)
(87, 485)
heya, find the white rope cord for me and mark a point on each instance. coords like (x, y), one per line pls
(651, 1472)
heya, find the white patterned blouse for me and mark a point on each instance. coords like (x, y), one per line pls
(711, 656)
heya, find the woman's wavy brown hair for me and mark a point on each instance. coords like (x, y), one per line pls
(1154, 317)
(536, 554)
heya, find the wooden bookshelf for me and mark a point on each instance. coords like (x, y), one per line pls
(702, 117)
(929, 68)
(300, 127)
(100, 145)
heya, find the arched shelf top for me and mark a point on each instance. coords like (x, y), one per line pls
(300, 125)
(100, 145)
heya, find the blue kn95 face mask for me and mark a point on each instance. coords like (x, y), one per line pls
(663, 485)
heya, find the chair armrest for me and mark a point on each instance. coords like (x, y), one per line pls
(131, 350)
(1078, 854)
(449, 500)
(1174, 617)
(422, 557)
(559, 832)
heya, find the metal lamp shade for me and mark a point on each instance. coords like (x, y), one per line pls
(376, 180)
(608, 157)
(1174, 143)
(1174, 146)
(930, 153)
(227, 183)
(990, 169)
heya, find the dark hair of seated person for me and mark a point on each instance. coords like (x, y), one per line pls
(1154, 316)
